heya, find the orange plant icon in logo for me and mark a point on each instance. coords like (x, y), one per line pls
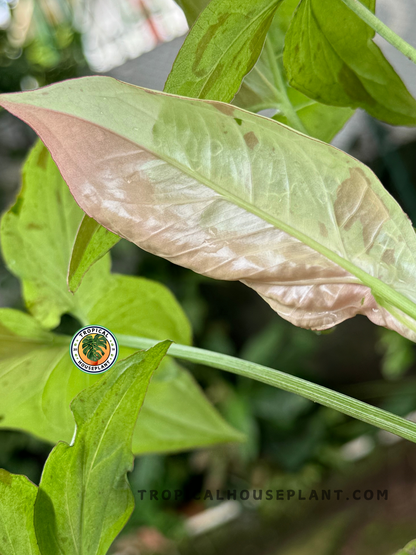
(94, 349)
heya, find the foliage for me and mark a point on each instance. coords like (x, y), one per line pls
(212, 187)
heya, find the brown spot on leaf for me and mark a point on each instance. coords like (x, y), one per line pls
(357, 202)
(43, 158)
(388, 256)
(226, 109)
(323, 230)
(5, 477)
(251, 140)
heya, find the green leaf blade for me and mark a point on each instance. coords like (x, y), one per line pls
(221, 48)
(91, 243)
(84, 497)
(330, 56)
(267, 87)
(17, 499)
(37, 236)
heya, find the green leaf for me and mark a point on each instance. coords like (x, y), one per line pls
(221, 48)
(409, 549)
(330, 56)
(266, 87)
(84, 498)
(192, 9)
(37, 235)
(17, 499)
(91, 243)
(234, 196)
(176, 415)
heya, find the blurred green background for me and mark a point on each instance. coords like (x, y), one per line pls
(292, 443)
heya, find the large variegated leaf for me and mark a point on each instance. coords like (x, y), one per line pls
(233, 196)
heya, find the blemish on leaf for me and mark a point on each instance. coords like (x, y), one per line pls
(5, 477)
(251, 140)
(238, 120)
(357, 202)
(323, 230)
(43, 158)
(17, 206)
(226, 109)
(388, 256)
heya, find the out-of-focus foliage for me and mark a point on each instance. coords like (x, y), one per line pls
(39, 45)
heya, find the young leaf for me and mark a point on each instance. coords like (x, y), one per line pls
(266, 86)
(330, 56)
(91, 243)
(233, 196)
(84, 498)
(37, 235)
(17, 499)
(221, 48)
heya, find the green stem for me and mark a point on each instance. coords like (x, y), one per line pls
(366, 15)
(317, 393)
(282, 99)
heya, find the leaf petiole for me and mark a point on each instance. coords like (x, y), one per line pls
(383, 30)
(317, 393)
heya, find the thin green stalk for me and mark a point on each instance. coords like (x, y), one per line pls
(317, 393)
(283, 101)
(383, 30)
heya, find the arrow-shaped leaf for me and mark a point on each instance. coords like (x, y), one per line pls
(234, 196)
(84, 498)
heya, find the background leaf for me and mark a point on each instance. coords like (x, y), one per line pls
(221, 48)
(266, 87)
(17, 499)
(310, 228)
(84, 498)
(92, 242)
(330, 56)
(37, 236)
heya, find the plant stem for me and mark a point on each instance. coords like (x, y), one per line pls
(283, 101)
(383, 30)
(317, 393)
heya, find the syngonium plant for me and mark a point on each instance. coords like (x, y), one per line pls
(194, 175)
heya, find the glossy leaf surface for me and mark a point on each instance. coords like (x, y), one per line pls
(233, 196)
(330, 56)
